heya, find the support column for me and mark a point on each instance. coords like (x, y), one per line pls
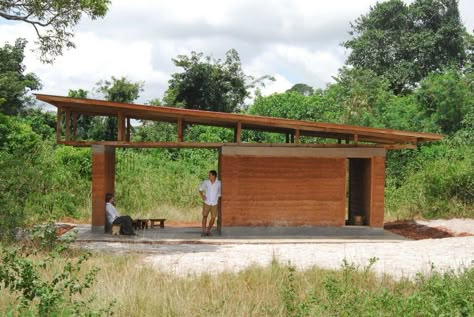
(238, 133)
(180, 130)
(128, 130)
(297, 136)
(103, 181)
(219, 205)
(74, 126)
(377, 181)
(68, 125)
(121, 126)
(58, 125)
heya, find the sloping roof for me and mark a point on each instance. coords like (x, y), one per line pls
(232, 120)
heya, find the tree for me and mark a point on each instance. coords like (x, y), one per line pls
(448, 98)
(358, 97)
(116, 90)
(52, 20)
(302, 89)
(120, 89)
(85, 124)
(407, 42)
(14, 83)
(209, 84)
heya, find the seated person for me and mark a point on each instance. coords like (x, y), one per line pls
(114, 218)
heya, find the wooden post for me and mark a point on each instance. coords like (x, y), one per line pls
(292, 138)
(339, 141)
(74, 126)
(68, 124)
(103, 181)
(180, 130)
(356, 139)
(58, 125)
(287, 137)
(128, 129)
(297, 136)
(238, 132)
(121, 128)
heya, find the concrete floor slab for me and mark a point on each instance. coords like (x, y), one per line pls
(250, 235)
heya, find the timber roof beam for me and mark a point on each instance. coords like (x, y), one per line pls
(291, 128)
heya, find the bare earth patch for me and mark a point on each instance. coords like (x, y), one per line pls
(432, 229)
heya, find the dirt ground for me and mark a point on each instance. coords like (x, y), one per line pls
(418, 231)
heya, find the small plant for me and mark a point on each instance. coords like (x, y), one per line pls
(45, 280)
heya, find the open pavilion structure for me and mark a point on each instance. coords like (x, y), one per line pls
(293, 183)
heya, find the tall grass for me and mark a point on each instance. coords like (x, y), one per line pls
(162, 182)
(274, 290)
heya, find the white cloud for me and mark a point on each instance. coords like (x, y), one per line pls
(293, 40)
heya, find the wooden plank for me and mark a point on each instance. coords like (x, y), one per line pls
(180, 130)
(68, 125)
(128, 129)
(74, 126)
(346, 152)
(220, 144)
(121, 126)
(58, 125)
(238, 132)
(297, 136)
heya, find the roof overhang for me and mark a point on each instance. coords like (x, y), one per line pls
(378, 137)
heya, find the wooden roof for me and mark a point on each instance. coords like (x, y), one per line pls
(382, 137)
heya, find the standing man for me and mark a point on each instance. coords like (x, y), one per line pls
(210, 191)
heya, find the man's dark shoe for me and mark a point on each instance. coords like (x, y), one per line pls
(203, 234)
(209, 234)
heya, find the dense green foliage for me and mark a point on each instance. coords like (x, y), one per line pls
(14, 83)
(52, 20)
(26, 273)
(207, 84)
(405, 42)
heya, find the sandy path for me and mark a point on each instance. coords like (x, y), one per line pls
(396, 258)
(402, 259)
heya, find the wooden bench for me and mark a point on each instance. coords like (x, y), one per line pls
(154, 222)
(140, 224)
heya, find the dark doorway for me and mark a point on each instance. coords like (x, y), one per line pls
(359, 188)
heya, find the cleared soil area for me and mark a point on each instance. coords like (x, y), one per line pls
(438, 229)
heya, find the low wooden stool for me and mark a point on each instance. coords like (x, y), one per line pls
(140, 224)
(116, 230)
(153, 223)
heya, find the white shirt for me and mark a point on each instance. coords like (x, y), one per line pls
(111, 212)
(212, 191)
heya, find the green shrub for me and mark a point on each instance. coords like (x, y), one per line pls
(46, 280)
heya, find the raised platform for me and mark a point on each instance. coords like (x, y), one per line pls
(258, 235)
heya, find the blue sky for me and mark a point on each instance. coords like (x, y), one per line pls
(292, 40)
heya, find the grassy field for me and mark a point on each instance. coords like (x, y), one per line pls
(275, 290)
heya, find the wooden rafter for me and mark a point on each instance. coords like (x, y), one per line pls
(292, 129)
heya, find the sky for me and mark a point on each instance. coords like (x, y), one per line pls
(295, 41)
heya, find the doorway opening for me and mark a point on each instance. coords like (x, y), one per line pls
(358, 191)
